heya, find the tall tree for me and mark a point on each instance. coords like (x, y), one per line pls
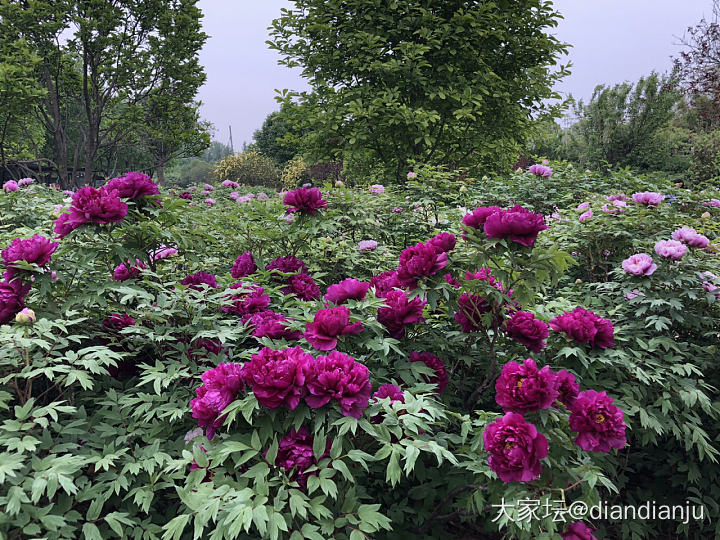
(454, 82)
(277, 138)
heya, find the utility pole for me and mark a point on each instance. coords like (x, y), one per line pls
(232, 149)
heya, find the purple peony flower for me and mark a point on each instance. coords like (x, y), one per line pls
(515, 448)
(585, 216)
(327, 325)
(523, 388)
(582, 207)
(384, 283)
(477, 218)
(472, 308)
(208, 187)
(304, 200)
(271, 325)
(598, 423)
(691, 237)
(583, 326)
(10, 186)
(34, 250)
(133, 185)
(90, 205)
(442, 242)
(618, 197)
(578, 531)
(230, 184)
(525, 328)
(390, 391)
(400, 311)
(418, 261)
(440, 379)
(287, 265)
(25, 182)
(278, 377)
(517, 224)
(541, 170)
(186, 195)
(339, 377)
(367, 245)
(302, 285)
(62, 226)
(118, 321)
(244, 266)
(127, 270)
(649, 198)
(567, 387)
(162, 252)
(347, 289)
(209, 202)
(454, 283)
(671, 249)
(197, 280)
(295, 455)
(640, 264)
(12, 298)
(251, 299)
(377, 188)
(220, 387)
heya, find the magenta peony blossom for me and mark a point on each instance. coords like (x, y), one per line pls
(523, 388)
(209, 202)
(390, 391)
(347, 289)
(517, 224)
(118, 321)
(101, 206)
(618, 197)
(454, 283)
(377, 188)
(476, 219)
(640, 264)
(278, 377)
(418, 261)
(186, 195)
(541, 170)
(12, 298)
(304, 200)
(10, 186)
(384, 283)
(585, 216)
(244, 266)
(472, 308)
(302, 285)
(339, 377)
(598, 423)
(220, 387)
(133, 185)
(197, 280)
(127, 270)
(582, 207)
(212, 346)
(367, 245)
(525, 328)
(584, 326)
(209, 187)
(515, 448)
(287, 265)
(230, 184)
(62, 226)
(34, 250)
(440, 379)
(443, 242)
(671, 249)
(567, 387)
(400, 311)
(691, 237)
(578, 531)
(327, 325)
(271, 325)
(251, 299)
(162, 252)
(295, 455)
(649, 198)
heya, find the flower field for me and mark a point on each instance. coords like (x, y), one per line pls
(359, 362)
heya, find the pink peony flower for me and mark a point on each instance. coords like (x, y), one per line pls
(62, 226)
(341, 378)
(384, 283)
(367, 245)
(244, 266)
(440, 379)
(118, 321)
(691, 237)
(209, 202)
(10, 186)
(442, 242)
(598, 423)
(522, 388)
(515, 448)
(400, 311)
(220, 387)
(230, 184)
(618, 197)
(34, 250)
(411, 175)
(25, 182)
(585, 216)
(304, 286)
(186, 195)
(271, 325)
(390, 391)
(287, 265)
(671, 249)
(278, 377)
(347, 289)
(126, 270)
(377, 188)
(90, 205)
(251, 299)
(452, 281)
(640, 264)
(12, 298)
(295, 455)
(633, 294)
(133, 185)
(568, 388)
(262, 196)
(327, 325)
(418, 261)
(304, 200)
(578, 531)
(584, 326)
(208, 187)
(541, 170)
(518, 225)
(582, 207)
(476, 219)
(163, 252)
(525, 328)
(197, 280)
(649, 198)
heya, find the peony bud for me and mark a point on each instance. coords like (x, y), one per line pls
(27, 315)
(705, 215)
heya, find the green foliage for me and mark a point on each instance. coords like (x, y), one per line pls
(250, 168)
(452, 85)
(275, 139)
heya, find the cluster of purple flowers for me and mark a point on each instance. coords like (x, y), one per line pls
(299, 282)
(583, 326)
(128, 270)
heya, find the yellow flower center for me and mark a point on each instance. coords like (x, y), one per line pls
(509, 445)
(599, 418)
(519, 383)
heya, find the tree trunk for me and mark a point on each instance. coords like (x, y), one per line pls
(160, 170)
(55, 124)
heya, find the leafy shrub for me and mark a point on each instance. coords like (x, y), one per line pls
(250, 168)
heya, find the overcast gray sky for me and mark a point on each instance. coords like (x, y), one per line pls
(613, 41)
